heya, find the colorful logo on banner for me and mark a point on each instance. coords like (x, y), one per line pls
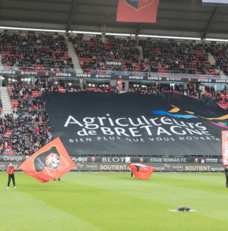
(175, 116)
(166, 166)
(78, 165)
(176, 109)
(139, 4)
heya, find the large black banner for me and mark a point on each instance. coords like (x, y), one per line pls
(107, 123)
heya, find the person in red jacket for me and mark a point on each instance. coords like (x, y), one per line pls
(10, 171)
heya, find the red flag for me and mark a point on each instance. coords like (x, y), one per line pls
(50, 162)
(137, 11)
(141, 171)
(225, 147)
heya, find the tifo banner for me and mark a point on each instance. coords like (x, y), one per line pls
(50, 162)
(225, 147)
(166, 124)
(137, 11)
(141, 171)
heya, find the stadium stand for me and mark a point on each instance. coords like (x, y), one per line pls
(39, 52)
(29, 130)
(94, 53)
(174, 57)
(159, 56)
(42, 52)
(220, 54)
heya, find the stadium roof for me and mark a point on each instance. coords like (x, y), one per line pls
(175, 17)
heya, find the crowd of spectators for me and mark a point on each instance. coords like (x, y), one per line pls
(63, 86)
(58, 85)
(220, 97)
(29, 130)
(158, 56)
(156, 88)
(220, 53)
(49, 51)
(31, 51)
(174, 57)
(93, 53)
(200, 90)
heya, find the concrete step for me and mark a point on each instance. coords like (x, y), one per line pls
(74, 56)
(6, 101)
(141, 51)
(211, 59)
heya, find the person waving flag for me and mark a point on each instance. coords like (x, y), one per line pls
(141, 171)
(10, 170)
(50, 162)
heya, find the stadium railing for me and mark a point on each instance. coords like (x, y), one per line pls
(33, 71)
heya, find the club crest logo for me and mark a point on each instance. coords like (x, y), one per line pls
(53, 161)
(139, 4)
(49, 159)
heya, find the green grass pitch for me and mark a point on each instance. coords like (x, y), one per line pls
(114, 201)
